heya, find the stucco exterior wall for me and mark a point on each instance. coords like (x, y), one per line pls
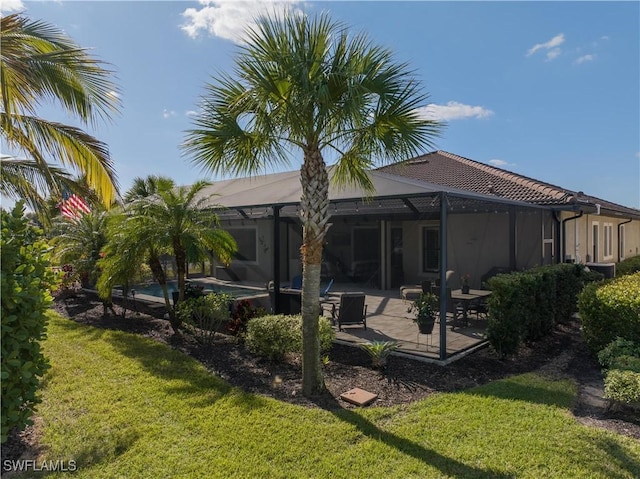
(581, 246)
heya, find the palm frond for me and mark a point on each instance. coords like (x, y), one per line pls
(69, 145)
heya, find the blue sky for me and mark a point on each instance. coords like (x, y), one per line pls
(547, 90)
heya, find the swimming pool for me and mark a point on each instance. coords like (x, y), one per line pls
(155, 289)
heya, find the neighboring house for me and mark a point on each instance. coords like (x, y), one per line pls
(434, 209)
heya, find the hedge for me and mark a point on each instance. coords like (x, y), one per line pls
(628, 266)
(609, 310)
(27, 282)
(525, 306)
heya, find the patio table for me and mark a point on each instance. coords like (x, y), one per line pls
(465, 299)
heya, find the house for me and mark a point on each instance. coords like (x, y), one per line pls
(435, 209)
(577, 228)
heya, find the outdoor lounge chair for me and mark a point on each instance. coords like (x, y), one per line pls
(324, 292)
(351, 310)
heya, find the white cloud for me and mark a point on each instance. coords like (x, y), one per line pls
(552, 54)
(12, 6)
(167, 113)
(584, 58)
(604, 37)
(191, 113)
(500, 163)
(551, 45)
(453, 111)
(114, 94)
(229, 19)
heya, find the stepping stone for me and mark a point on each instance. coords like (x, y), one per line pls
(358, 396)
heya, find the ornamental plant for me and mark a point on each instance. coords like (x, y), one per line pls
(425, 307)
(27, 282)
(379, 352)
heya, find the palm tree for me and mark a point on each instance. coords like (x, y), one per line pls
(146, 187)
(165, 218)
(79, 242)
(38, 64)
(308, 84)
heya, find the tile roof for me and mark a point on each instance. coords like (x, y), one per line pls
(443, 168)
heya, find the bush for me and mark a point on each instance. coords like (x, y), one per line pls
(205, 314)
(609, 310)
(622, 385)
(526, 306)
(243, 312)
(27, 282)
(617, 348)
(628, 266)
(379, 352)
(274, 336)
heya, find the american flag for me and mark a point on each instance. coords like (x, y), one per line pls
(73, 206)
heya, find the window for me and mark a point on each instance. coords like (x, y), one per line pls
(247, 239)
(430, 248)
(621, 242)
(608, 237)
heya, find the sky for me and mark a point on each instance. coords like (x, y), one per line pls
(548, 90)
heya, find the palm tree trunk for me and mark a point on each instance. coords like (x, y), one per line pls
(181, 260)
(314, 215)
(158, 274)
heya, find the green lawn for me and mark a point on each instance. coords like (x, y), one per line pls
(124, 406)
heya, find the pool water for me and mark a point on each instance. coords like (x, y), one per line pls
(155, 289)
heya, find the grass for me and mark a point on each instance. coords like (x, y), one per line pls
(124, 406)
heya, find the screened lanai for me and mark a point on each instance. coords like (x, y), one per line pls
(408, 231)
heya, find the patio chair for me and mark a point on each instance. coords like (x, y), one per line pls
(296, 282)
(351, 310)
(324, 292)
(452, 306)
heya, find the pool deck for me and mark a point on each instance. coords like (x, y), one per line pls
(387, 320)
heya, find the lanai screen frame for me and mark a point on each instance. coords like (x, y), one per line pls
(439, 202)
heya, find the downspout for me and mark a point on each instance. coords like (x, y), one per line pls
(564, 232)
(619, 225)
(559, 241)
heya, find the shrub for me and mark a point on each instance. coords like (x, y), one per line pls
(622, 385)
(379, 352)
(617, 348)
(628, 266)
(274, 336)
(27, 282)
(525, 306)
(243, 312)
(609, 310)
(205, 314)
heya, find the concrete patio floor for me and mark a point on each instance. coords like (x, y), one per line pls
(388, 320)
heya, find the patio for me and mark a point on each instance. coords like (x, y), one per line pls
(388, 320)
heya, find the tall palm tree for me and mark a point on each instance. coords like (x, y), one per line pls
(38, 64)
(308, 84)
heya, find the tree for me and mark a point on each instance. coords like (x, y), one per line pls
(166, 218)
(307, 84)
(80, 242)
(38, 64)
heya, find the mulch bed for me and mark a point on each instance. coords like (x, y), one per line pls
(560, 355)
